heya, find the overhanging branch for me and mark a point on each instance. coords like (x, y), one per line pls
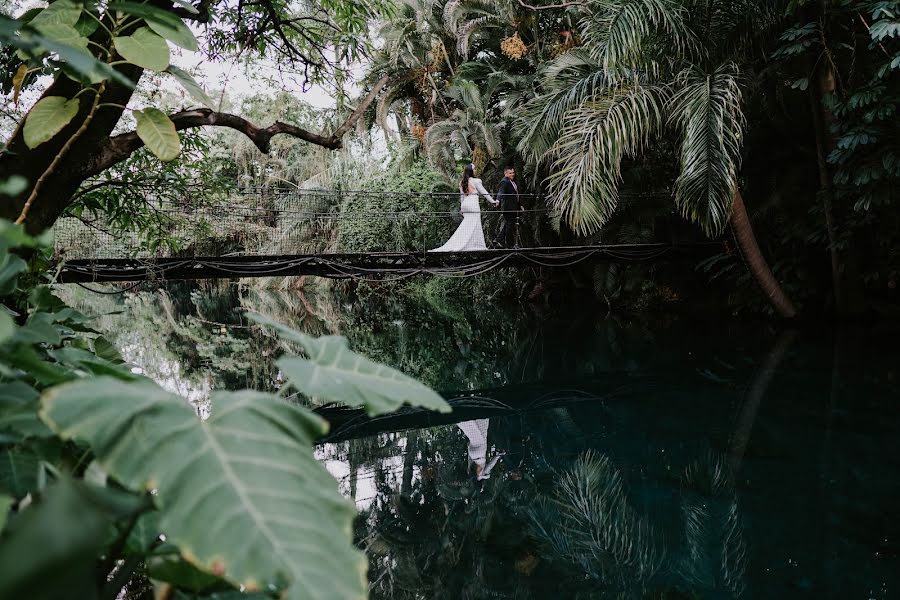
(120, 147)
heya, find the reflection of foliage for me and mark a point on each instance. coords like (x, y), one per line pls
(715, 556)
(429, 540)
(187, 335)
(587, 525)
(594, 527)
(560, 522)
(433, 331)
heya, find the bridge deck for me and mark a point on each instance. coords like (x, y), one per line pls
(376, 265)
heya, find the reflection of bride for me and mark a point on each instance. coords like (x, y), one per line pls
(476, 431)
(469, 235)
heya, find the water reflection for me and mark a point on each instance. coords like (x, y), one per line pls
(586, 457)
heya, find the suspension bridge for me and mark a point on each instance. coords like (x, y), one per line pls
(342, 235)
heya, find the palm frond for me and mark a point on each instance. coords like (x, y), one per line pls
(491, 140)
(569, 81)
(601, 532)
(451, 15)
(468, 29)
(617, 31)
(467, 93)
(586, 167)
(384, 105)
(707, 109)
(715, 554)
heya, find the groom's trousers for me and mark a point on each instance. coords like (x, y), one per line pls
(506, 236)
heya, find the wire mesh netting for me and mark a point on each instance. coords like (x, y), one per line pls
(306, 222)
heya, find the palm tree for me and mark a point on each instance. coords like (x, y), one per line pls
(469, 132)
(647, 68)
(467, 19)
(418, 55)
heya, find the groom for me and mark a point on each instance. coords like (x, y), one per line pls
(510, 204)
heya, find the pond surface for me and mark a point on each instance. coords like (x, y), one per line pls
(663, 459)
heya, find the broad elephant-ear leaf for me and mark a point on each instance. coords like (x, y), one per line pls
(144, 48)
(47, 118)
(336, 373)
(240, 494)
(158, 132)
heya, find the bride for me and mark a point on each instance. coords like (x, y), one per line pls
(469, 235)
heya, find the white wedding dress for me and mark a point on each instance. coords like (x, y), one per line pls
(469, 235)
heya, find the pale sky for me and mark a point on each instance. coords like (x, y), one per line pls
(212, 75)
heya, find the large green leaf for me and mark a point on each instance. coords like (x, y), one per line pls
(64, 34)
(7, 326)
(49, 551)
(183, 575)
(10, 268)
(190, 85)
(144, 48)
(163, 22)
(18, 410)
(18, 471)
(13, 186)
(47, 118)
(6, 503)
(78, 63)
(334, 372)
(240, 493)
(158, 132)
(179, 35)
(61, 12)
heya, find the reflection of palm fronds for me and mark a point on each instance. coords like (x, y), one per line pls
(715, 555)
(604, 535)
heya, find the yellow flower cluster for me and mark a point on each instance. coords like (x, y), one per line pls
(420, 77)
(418, 131)
(438, 57)
(513, 47)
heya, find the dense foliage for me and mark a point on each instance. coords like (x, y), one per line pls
(774, 121)
(109, 482)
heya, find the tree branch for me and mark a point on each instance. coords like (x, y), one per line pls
(120, 147)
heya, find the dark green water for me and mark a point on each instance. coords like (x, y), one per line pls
(667, 458)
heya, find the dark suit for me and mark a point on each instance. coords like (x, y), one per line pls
(510, 204)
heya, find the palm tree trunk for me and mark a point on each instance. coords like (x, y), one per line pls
(756, 262)
(747, 416)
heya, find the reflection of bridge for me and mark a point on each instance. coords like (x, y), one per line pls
(328, 234)
(478, 404)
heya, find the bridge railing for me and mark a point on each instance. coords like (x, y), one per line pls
(294, 223)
